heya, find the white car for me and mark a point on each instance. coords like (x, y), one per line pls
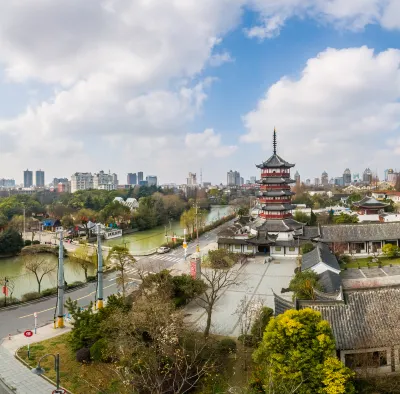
(163, 249)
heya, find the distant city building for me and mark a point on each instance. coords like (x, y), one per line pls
(139, 177)
(206, 184)
(233, 178)
(253, 180)
(62, 187)
(347, 177)
(151, 180)
(105, 181)
(191, 180)
(131, 179)
(339, 181)
(324, 178)
(308, 182)
(6, 183)
(386, 172)
(332, 181)
(392, 176)
(316, 182)
(142, 183)
(28, 178)
(241, 181)
(39, 178)
(367, 176)
(81, 181)
(56, 181)
(297, 178)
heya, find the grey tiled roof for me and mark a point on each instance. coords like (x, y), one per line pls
(310, 232)
(369, 319)
(330, 281)
(370, 202)
(321, 253)
(278, 207)
(275, 193)
(275, 161)
(280, 225)
(360, 232)
(281, 305)
(232, 241)
(275, 180)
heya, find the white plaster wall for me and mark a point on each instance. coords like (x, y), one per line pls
(322, 267)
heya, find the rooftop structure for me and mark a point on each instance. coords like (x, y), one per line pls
(369, 206)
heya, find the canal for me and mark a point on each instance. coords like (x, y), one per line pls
(25, 282)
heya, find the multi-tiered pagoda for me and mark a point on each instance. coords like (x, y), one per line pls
(275, 196)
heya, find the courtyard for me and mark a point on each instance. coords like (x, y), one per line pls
(257, 280)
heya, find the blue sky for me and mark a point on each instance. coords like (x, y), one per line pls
(169, 87)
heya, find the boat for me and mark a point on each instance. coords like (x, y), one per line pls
(112, 233)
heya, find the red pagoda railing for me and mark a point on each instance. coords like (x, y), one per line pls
(277, 216)
(276, 201)
(275, 174)
(275, 187)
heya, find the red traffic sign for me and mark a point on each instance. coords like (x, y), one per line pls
(28, 333)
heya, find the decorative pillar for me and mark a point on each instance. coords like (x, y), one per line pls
(99, 269)
(60, 293)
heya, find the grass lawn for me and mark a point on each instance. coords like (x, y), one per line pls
(92, 378)
(363, 262)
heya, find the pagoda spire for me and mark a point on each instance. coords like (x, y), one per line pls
(274, 141)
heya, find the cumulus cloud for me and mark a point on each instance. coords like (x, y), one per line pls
(341, 109)
(207, 143)
(344, 14)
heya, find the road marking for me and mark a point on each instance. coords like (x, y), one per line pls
(37, 312)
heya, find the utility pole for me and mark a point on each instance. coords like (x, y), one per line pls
(40, 233)
(5, 291)
(24, 222)
(197, 230)
(60, 294)
(99, 269)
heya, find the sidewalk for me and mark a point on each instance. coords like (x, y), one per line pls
(15, 374)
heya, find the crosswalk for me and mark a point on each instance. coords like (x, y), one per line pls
(132, 271)
(165, 257)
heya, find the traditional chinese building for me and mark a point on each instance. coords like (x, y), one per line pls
(370, 206)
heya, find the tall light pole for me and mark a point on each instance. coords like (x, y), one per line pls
(60, 293)
(40, 371)
(99, 269)
(24, 222)
(197, 230)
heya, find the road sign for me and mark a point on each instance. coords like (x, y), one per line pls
(28, 333)
(35, 315)
(184, 245)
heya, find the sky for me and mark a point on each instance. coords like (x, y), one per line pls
(172, 86)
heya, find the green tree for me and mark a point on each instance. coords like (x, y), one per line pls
(297, 352)
(345, 218)
(67, 221)
(301, 217)
(243, 211)
(222, 258)
(303, 285)
(3, 220)
(390, 251)
(115, 212)
(83, 217)
(11, 242)
(308, 247)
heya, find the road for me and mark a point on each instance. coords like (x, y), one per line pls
(19, 319)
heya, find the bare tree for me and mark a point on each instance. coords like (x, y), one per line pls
(39, 266)
(11, 288)
(85, 258)
(217, 280)
(122, 258)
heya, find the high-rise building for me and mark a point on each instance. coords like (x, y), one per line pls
(367, 176)
(28, 178)
(56, 181)
(105, 181)
(233, 178)
(6, 183)
(339, 181)
(347, 177)
(316, 182)
(191, 180)
(308, 182)
(392, 176)
(131, 179)
(139, 177)
(253, 180)
(324, 179)
(241, 181)
(39, 178)
(81, 181)
(151, 180)
(297, 178)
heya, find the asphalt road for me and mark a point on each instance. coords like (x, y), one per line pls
(20, 318)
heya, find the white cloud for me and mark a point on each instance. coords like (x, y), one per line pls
(220, 58)
(345, 14)
(341, 109)
(207, 143)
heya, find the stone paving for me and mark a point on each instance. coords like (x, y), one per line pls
(257, 281)
(354, 278)
(15, 374)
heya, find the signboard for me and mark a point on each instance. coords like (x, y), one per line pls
(5, 290)
(28, 333)
(184, 245)
(193, 269)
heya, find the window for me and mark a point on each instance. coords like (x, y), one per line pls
(237, 246)
(278, 248)
(370, 359)
(292, 249)
(249, 247)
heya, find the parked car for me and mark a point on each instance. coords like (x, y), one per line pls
(163, 249)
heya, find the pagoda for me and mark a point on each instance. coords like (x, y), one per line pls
(275, 196)
(370, 206)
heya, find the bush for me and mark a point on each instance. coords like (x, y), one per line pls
(91, 278)
(83, 355)
(75, 284)
(259, 325)
(28, 242)
(36, 242)
(226, 346)
(50, 291)
(248, 340)
(308, 247)
(98, 349)
(33, 295)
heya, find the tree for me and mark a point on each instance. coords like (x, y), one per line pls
(155, 352)
(308, 247)
(297, 349)
(3, 221)
(115, 212)
(222, 258)
(390, 251)
(67, 221)
(243, 211)
(17, 223)
(217, 280)
(83, 217)
(11, 242)
(301, 217)
(303, 285)
(345, 218)
(122, 258)
(38, 265)
(84, 258)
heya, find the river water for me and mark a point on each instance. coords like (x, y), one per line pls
(25, 282)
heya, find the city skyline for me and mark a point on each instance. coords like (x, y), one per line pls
(327, 77)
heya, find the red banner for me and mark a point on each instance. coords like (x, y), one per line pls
(5, 290)
(193, 269)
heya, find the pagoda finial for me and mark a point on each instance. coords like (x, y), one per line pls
(274, 142)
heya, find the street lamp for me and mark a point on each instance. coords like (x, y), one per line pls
(40, 371)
